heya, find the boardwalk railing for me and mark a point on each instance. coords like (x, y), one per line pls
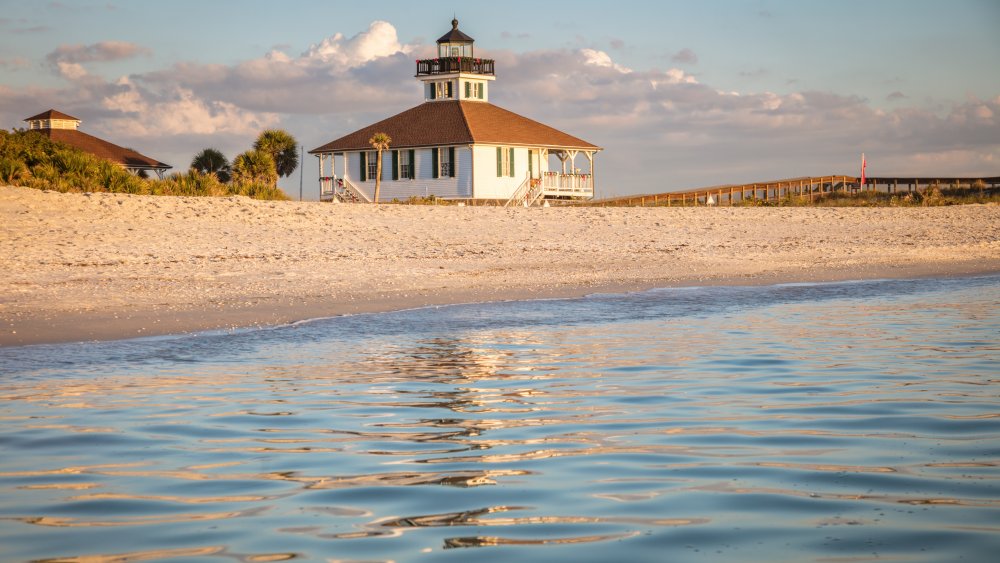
(809, 187)
(739, 193)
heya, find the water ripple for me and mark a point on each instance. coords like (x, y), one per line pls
(824, 422)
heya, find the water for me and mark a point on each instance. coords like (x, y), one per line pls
(832, 422)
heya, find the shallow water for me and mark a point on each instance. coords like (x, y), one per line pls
(837, 422)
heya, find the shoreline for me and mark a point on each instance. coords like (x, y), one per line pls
(94, 327)
(84, 267)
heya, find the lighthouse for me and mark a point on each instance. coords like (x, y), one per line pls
(457, 145)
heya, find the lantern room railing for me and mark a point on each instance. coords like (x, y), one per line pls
(448, 65)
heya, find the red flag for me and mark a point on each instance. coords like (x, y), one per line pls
(863, 166)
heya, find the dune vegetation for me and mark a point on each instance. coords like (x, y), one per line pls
(35, 161)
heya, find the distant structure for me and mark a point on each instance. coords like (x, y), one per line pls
(58, 126)
(457, 145)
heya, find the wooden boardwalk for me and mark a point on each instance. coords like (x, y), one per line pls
(807, 186)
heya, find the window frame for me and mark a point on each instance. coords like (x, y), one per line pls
(443, 90)
(505, 162)
(404, 165)
(444, 162)
(372, 164)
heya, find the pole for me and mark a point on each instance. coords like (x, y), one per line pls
(302, 164)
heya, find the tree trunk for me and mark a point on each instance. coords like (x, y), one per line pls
(378, 174)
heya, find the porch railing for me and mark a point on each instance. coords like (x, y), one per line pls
(448, 65)
(341, 189)
(571, 185)
(527, 194)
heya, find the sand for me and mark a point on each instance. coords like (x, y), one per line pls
(77, 267)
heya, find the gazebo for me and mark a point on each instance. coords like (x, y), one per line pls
(64, 128)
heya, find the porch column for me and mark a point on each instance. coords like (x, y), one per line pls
(590, 160)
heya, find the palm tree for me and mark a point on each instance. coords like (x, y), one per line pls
(212, 161)
(254, 167)
(380, 142)
(283, 150)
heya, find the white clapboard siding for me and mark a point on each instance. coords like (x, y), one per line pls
(488, 184)
(424, 184)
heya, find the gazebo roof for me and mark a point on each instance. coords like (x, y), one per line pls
(52, 114)
(101, 148)
(458, 123)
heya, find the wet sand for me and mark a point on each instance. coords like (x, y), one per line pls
(105, 266)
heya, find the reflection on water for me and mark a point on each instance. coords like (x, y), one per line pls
(828, 422)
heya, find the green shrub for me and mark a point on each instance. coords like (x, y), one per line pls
(12, 171)
(257, 190)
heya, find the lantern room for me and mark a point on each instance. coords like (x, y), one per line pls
(455, 43)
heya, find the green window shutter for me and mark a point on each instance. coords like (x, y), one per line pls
(531, 163)
(433, 90)
(413, 164)
(451, 162)
(395, 165)
(468, 89)
(512, 162)
(364, 166)
(435, 166)
(448, 89)
(499, 162)
(479, 92)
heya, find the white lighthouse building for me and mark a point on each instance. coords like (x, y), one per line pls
(457, 145)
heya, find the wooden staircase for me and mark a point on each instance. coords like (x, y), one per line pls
(527, 194)
(347, 192)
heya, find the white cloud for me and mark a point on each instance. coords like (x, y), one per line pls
(72, 71)
(179, 112)
(379, 41)
(674, 76)
(68, 60)
(600, 58)
(102, 51)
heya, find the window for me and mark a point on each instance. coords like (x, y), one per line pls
(445, 162)
(474, 90)
(405, 166)
(441, 90)
(372, 165)
(505, 161)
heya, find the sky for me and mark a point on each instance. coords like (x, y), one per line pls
(679, 95)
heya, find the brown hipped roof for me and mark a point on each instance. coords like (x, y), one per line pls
(457, 123)
(52, 114)
(101, 148)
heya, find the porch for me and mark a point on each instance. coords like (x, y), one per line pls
(556, 184)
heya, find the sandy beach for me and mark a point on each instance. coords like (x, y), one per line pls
(105, 266)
